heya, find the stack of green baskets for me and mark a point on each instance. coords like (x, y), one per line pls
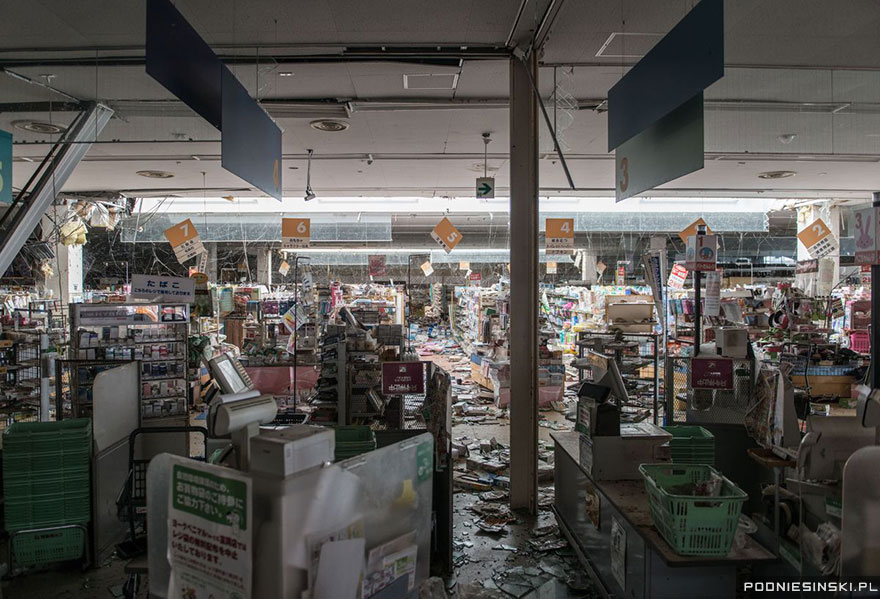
(691, 445)
(691, 524)
(46, 485)
(354, 440)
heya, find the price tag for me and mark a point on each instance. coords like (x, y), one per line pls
(475, 279)
(184, 240)
(203, 262)
(296, 233)
(818, 240)
(427, 269)
(866, 236)
(551, 268)
(446, 235)
(677, 277)
(5, 343)
(559, 235)
(701, 253)
(284, 268)
(692, 230)
(620, 276)
(464, 265)
(712, 373)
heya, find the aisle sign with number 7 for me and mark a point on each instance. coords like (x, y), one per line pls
(818, 240)
(296, 233)
(446, 235)
(559, 235)
(184, 240)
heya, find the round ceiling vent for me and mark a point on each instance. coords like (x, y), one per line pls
(155, 174)
(776, 174)
(39, 127)
(329, 125)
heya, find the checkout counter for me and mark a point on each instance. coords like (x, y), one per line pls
(602, 506)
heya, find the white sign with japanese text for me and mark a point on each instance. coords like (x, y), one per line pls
(180, 290)
(210, 531)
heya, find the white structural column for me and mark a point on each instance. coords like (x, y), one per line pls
(523, 285)
(66, 281)
(264, 266)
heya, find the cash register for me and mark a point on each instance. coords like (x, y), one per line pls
(609, 449)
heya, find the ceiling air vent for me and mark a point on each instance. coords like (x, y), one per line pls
(430, 81)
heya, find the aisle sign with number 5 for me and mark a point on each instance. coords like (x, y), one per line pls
(184, 240)
(296, 233)
(559, 235)
(818, 240)
(446, 235)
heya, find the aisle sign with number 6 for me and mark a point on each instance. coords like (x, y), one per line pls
(446, 235)
(817, 238)
(559, 235)
(296, 233)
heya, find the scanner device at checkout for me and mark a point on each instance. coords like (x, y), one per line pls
(232, 420)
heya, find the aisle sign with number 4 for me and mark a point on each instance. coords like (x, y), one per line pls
(559, 235)
(446, 235)
(184, 240)
(818, 240)
(866, 236)
(296, 233)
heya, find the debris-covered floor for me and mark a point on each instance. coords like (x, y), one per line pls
(497, 553)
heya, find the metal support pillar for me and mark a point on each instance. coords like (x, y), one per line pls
(524, 284)
(875, 316)
(24, 215)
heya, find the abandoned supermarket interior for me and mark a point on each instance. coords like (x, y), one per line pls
(423, 299)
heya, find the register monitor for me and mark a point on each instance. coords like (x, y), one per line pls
(606, 373)
(230, 375)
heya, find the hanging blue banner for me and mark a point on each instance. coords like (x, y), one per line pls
(251, 141)
(5, 167)
(686, 61)
(179, 59)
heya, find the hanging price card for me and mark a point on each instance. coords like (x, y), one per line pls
(551, 268)
(818, 240)
(677, 277)
(559, 235)
(284, 268)
(427, 269)
(296, 233)
(184, 240)
(446, 235)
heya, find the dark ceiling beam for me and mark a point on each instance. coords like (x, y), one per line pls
(437, 55)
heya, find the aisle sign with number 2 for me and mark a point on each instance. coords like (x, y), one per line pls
(184, 240)
(296, 233)
(446, 235)
(559, 235)
(818, 240)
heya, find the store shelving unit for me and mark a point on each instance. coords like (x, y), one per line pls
(154, 335)
(637, 355)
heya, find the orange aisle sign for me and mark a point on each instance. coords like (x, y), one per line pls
(446, 235)
(184, 240)
(692, 230)
(817, 238)
(559, 235)
(296, 233)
